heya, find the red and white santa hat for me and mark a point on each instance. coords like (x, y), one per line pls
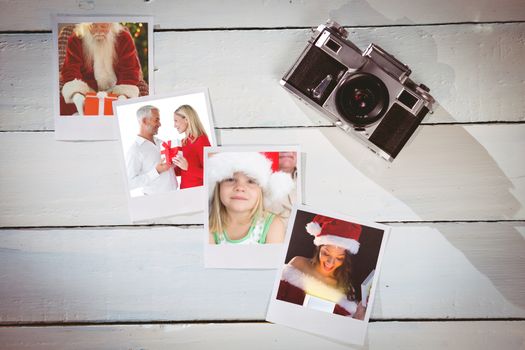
(336, 232)
(276, 185)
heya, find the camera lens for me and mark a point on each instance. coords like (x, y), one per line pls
(362, 99)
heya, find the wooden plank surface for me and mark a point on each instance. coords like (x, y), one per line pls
(447, 172)
(381, 335)
(430, 271)
(455, 195)
(243, 76)
(30, 15)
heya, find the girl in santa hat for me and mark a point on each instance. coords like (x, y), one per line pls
(327, 274)
(189, 163)
(241, 188)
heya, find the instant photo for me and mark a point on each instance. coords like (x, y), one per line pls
(250, 192)
(162, 142)
(98, 60)
(328, 274)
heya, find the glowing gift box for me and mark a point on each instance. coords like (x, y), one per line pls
(99, 103)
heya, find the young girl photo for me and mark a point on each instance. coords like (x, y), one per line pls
(247, 191)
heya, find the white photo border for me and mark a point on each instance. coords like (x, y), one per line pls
(78, 128)
(260, 256)
(340, 328)
(164, 204)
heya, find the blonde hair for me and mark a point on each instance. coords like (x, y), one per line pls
(195, 128)
(218, 218)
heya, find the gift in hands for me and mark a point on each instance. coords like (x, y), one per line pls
(162, 143)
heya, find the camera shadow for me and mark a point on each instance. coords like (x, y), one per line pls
(431, 159)
(444, 156)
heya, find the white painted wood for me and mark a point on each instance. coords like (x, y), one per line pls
(444, 173)
(30, 15)
(63, 183)
(475, 72)
(447, 172)
(450, 270)
(381, 335)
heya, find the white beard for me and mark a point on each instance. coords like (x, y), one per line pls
(101, 54)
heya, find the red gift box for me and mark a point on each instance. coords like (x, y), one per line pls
(100, 103)
(169, 152)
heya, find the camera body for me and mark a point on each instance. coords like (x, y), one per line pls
(367, 93)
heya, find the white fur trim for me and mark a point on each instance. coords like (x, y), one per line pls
(313, 228)
(72, 87)
(276, 192)
(275, 186)
(129, 91)
(349, 244)
(223, 165)
(348, 305)
(315, 287)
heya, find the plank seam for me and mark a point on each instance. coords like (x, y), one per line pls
(495, 122)
(139, 323)
(211, 29)
(139, 226)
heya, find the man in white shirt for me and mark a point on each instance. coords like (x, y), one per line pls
(145, 168)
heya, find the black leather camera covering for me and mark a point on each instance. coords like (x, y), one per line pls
(395, 129)
(316, 66)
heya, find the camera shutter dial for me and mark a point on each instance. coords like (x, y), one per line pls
(362, 99)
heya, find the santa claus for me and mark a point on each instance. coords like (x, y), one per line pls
(99, 57)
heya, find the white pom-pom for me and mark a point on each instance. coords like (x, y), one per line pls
(280, 185)
(313, 228)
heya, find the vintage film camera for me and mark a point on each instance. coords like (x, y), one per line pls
(367, 92)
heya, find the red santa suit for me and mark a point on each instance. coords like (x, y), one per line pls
(295, 284)
(80, 76)
(193, 152)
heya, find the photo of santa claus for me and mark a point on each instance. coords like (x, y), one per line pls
(98, 63)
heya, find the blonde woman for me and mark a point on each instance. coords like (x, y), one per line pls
(241, 186)
(189, 164)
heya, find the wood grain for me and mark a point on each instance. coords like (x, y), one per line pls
(243, 75)
(28, 15)
(455, 196)
(381, 335)
(447, 172)
(430, 271)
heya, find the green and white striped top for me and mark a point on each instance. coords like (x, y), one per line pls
(256, 233)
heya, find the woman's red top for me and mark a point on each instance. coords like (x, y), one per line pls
(193, 152)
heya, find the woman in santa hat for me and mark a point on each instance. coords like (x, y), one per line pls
(327, 274)
(242, 186)
(189, 163)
